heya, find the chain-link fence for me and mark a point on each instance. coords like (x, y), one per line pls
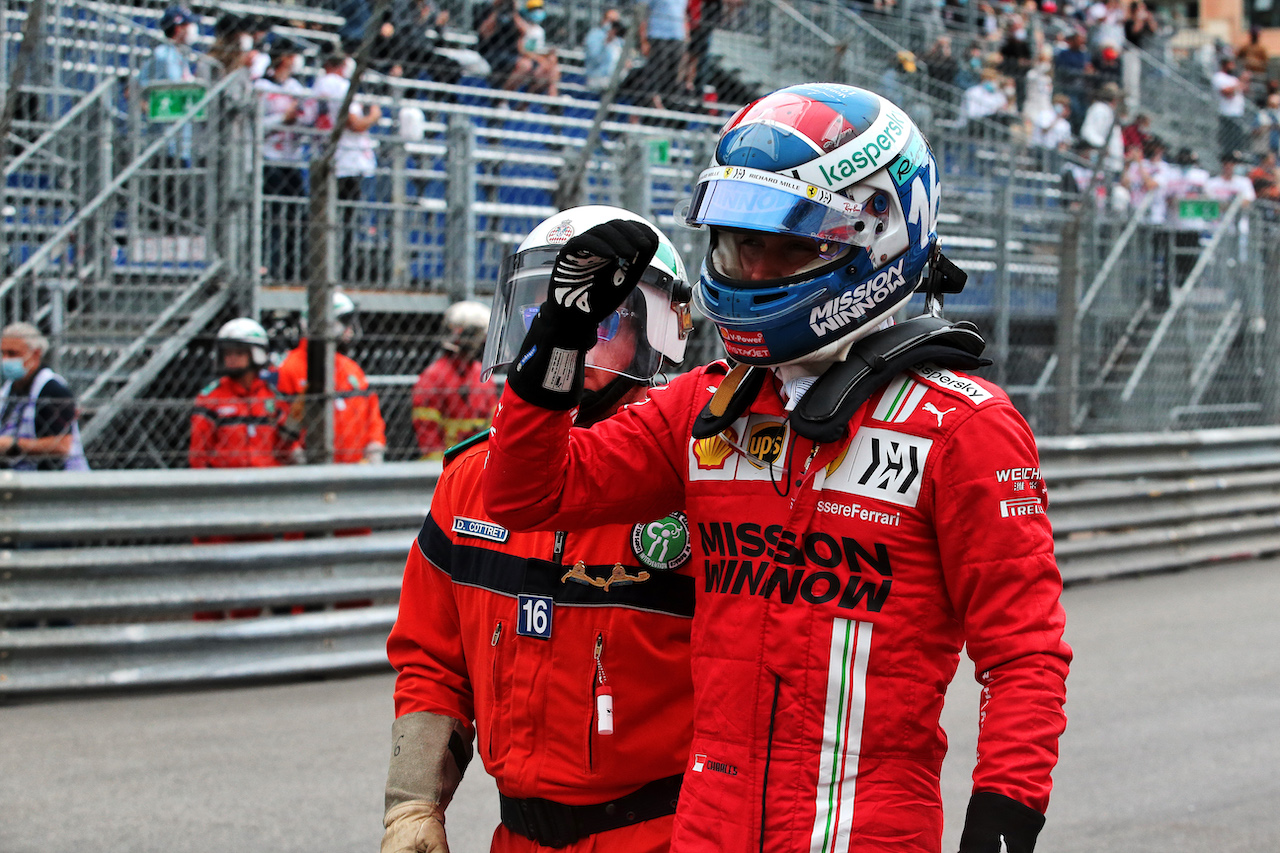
(153, 193)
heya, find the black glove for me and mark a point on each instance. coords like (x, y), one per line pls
(994, 819)
(594, 273)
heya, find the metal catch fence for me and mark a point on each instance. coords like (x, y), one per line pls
(297, 570)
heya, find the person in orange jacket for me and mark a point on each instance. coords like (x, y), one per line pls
(239, 420)
(451, 400)
(565, 654)
(359, 432)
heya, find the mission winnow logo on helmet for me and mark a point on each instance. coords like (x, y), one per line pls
(852, 304)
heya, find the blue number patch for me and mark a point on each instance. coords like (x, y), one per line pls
(535, 616)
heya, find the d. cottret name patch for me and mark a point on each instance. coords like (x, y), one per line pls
(479, 529)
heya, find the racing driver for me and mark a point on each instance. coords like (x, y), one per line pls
(861, 507)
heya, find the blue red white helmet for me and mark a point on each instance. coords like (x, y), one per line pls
(826, 162)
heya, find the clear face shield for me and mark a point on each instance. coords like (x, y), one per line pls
(628, 342)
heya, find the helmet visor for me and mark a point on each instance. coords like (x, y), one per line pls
(757, 200)
(622, 345)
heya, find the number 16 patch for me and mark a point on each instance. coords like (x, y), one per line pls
(535, 616)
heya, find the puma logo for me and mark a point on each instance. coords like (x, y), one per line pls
(930, 407)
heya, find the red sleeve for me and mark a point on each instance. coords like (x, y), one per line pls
(997, 554)
(425, 645)
(544, 474)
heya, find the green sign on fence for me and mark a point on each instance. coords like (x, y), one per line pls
(659, 152)
(172, 103)
(1199, 208)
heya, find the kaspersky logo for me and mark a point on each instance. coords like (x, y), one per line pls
(879, 147)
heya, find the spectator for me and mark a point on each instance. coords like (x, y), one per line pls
(942, 64)
(1253, 57)
(410, 40)
(356, 15)
(498, 29)
(359, 433)
(899, 81)
(703, 17)
(1138, 133)
(259, 30)
(985, 100)
(1052, 127)
(581, 618)
(1148, 174)
(38, 429)
(1139, 25)
(1227, 184)
(663, 31)
(969, 72)
(171, 63)
(1266, 178)
(1072, 69)
(285, 105)
(355, 159)
(1229, 90)
(1105, 20)
(1015, 58)
(239, 421)
(1266, 128)
(233, 46)
(450, 399)
(602, 49)
(1101, 127)
(1039, 85)
(537, 67)
(1107, 67)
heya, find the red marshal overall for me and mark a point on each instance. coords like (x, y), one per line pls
(518, 635)
(237, 427)
(836, 587)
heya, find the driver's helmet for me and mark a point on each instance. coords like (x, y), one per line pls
(241, 333)
(658, 307)
(822, 200)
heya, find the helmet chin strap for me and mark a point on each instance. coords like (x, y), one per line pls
(598, 405)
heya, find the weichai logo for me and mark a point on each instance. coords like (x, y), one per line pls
(750, 559)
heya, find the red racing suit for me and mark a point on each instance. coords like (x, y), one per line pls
(511, 633)
(237, 427)
(450, 403)
(837, 585)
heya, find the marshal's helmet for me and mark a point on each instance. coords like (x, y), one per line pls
(465, 325)
(241, 334)
(659, 305)
(822, 201)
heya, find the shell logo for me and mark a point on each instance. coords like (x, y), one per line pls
(712, 452)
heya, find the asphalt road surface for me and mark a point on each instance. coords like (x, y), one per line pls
(1172, 745)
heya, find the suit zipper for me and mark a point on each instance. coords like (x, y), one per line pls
(599, 691)
(493, 684)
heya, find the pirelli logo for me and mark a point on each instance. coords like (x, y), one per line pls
(1013, 507)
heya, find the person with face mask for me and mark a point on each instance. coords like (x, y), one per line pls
(359, 432)
(286, 104)
(565, 654)
(238, 420)
(860, 507)
(38, 429)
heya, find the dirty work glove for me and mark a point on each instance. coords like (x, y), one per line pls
(416, 826)
(995, 823)
(594, 273)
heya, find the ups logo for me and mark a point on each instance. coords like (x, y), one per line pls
(765, 443)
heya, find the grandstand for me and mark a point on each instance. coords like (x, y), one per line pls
(130, 241)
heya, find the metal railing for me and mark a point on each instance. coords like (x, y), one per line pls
(100, 586)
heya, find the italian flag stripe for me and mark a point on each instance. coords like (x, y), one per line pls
(841, 736)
